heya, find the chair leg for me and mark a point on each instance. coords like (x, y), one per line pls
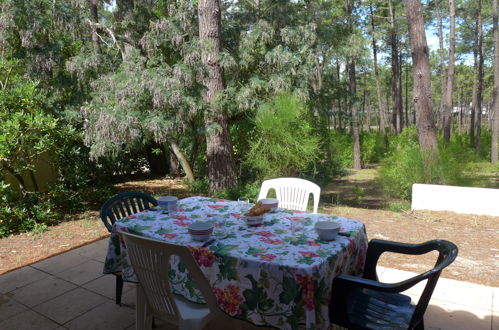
(143, 320)
(119, 288)
(420, 325)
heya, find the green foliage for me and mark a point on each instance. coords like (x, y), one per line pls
(249, 190)
(198, 186)
(26, 132)
(372, 145)
(399, 206)
(403, 165)
(283, 143)
(24, 212)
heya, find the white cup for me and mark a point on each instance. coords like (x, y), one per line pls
(168, 203)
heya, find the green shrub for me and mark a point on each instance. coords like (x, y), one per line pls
(24, 212)
(250, 190)
(283, 143)
(373, 147)
(403, 165)
(399, 206)
(198, 186)
(342, 148)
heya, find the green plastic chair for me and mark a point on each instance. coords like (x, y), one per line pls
(366, 303)
(118, 207)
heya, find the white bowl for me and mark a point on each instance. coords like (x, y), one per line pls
(327, 230)
(270, 203)
(200, 226)
(253, 221)
(200, 237)
(200, 230)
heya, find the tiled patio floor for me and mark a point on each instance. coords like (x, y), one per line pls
(69, 291)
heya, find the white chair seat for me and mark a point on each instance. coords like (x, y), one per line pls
(292, 193)
(189, 310)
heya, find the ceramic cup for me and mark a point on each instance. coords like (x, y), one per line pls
(168, 203)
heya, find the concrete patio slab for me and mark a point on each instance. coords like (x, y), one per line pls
(60, 263)
(85, 272)
(9, 307)
(19, 278)
(96, 251)
(28, 320)
(42, 290)
(442, 315)
(104, 317)
(70, 305)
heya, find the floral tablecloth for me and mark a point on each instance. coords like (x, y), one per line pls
(269, 274)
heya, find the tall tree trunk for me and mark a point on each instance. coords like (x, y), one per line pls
(441, 53)
(407, 96)
(460, 102)
(422, 91)
(479, 90)
(355, 116)
(340, 110)
(381, 107)
(219, 152)
(495, 102)
(95, 19)
(353, 90)
(398, 121)
(447, 103)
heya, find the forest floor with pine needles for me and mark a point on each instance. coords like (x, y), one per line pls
(356, 196)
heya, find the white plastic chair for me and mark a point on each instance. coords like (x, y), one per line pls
(150, 261)
(292, 193)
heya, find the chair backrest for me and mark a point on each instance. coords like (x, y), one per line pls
(292, 193)
(123, 205)
(447, 253)
(150, 260)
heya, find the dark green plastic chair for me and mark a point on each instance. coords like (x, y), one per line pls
(118, 207)
(366, 303)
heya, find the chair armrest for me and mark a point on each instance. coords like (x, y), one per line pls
(377, 247)
(347, 282)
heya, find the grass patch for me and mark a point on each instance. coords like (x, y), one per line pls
(399, 206)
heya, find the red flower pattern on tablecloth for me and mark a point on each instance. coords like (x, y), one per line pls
(204, 256)
(313, 243)
(267, 257)
(273, 241)
(179, 209)
(236, 215)
(295, 218)
(132, 217)
(210, 214)
(230, 299)
(222, 200)
(180, 217)
(308, 287)
(360, 261)
(309, 254)
(298, 211)
(264, 233)
(351, 246)
(216, 206)
(182, 223)
(170, 235)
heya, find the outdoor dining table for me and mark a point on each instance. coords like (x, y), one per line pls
(271, 274)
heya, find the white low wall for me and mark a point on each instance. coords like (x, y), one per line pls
(457, 199)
